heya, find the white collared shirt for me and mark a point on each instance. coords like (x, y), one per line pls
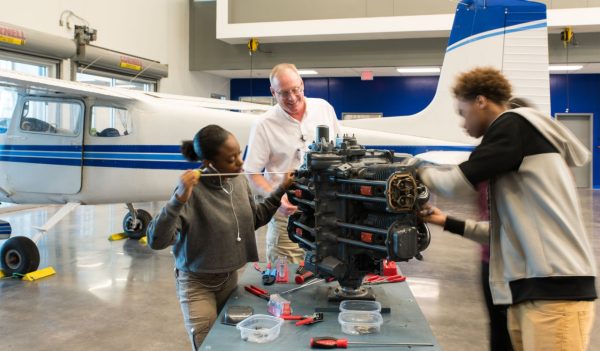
(278, 142)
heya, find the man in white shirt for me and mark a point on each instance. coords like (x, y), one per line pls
(278, 142)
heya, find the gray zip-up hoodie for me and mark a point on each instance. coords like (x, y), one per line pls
(204, 229)
(539, 248)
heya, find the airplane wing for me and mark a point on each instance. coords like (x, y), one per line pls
(211, 103)
(51, 85)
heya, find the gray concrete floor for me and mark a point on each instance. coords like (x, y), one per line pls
(121, 296)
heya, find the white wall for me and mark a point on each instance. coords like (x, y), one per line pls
(152, 29)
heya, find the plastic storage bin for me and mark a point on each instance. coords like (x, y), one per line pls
(360, 306)
(357, 323)
(260, 328)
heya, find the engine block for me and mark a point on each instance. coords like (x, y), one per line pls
(357, 207)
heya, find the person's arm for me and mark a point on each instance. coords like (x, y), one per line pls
(257, 158)
(500, 152)
(260, 184)
(164, 228)
(470, 229)
(263, 212)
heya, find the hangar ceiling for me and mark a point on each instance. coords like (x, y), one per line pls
(343, 57)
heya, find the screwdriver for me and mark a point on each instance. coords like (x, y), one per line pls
(329, 342)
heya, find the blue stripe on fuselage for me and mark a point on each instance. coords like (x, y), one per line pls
(146, 156)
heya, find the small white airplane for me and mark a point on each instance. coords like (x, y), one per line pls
(69, 143)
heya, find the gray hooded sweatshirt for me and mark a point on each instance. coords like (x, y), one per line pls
(539, 248)
(204, 230)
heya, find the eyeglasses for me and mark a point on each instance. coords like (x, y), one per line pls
(287, 93)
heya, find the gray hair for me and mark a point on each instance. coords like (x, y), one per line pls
(280, 68)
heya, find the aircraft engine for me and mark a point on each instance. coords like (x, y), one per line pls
(357, 207)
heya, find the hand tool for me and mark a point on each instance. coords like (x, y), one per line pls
(269, 274)
(300, 269)
(329, 342)
(304, 285)
(304, 277)
(376, 279)
(315, 318)
(263, 294)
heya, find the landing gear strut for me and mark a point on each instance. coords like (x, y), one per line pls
(136, 222)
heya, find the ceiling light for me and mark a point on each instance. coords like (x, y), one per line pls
(565, 67)
(306, 72)
(418, 70)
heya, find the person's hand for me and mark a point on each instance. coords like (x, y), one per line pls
(286, 208)
(434, 215)
(187, 181)
(288, 180)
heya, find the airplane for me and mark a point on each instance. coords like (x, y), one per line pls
(70, 143)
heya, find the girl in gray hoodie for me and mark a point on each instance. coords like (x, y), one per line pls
(210, 222)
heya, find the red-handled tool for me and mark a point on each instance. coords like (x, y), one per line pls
(315, 318)
(377, 279)
(289, 317)
(300, 269)
(304, 277)
(329, 342)
(263, 294)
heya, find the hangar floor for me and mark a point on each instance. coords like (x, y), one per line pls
(120, 295)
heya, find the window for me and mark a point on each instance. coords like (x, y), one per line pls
(28, 64)
(110, 122)
(8, 101)
(108, 80)
(52, 117)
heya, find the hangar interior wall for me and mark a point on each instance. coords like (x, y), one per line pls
(244, 11)
(157, 30)
(401, 96)
(210, 54)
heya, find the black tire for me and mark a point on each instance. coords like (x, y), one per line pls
(19, 255)
(136, 231)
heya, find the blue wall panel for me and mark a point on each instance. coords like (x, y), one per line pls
(400, 96)
(581, 94)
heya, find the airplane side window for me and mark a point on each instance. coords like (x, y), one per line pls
(51, 117)
(110, 122)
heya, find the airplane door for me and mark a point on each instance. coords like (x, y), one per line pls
(43, 150)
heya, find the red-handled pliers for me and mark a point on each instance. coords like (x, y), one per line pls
(263, 294)
(315, 318)
(377, 279)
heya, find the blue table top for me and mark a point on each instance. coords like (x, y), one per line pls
(405, 322)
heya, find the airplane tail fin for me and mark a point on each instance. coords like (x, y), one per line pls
(509, 35)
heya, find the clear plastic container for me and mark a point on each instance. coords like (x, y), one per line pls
(260, 328)
(360, 306)
(358, 323)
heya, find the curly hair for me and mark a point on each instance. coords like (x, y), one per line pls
(485, 81)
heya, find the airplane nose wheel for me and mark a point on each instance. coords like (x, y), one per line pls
(135, 228)
(19, 255)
